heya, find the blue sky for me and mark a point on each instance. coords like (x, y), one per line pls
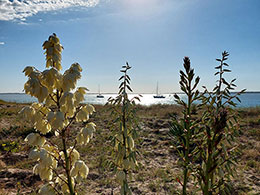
(152, 35)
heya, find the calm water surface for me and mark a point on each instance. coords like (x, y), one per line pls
(247, 99)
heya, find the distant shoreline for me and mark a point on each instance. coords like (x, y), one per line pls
(94, 93)
(248, 99)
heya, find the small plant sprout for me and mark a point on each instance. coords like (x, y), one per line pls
(183, 131)
(124, 133)
(59, 166)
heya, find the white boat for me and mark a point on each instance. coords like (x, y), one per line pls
(99, 94)
(157, 93)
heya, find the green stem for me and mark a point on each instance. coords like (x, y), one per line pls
(125, 130)
(67, 165)
(184, 187)
(219, 96)
(67, 160)
(207, 190)
(188, 136)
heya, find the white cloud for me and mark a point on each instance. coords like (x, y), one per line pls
(2, 43)
(21, 9)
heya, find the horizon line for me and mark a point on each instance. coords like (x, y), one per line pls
(178, 92)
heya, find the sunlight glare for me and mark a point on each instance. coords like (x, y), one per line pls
(141, 7)
(138, 3)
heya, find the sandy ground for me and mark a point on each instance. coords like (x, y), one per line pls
(158, 171)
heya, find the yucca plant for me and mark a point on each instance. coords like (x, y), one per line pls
(215, 142)
(183, 131)
(57, 109)
(124, 133)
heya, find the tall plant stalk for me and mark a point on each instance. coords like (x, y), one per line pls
(57, 108)
(183, 131)
(124, 133)
(216, 142)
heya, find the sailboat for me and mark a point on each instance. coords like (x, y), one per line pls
(157, 93)
(99, 94)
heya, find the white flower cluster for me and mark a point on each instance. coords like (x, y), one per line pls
(45, 120)
(47, 162)
(42, 84)
(79, 171)
(57, 109)
(86, 134)
(53, 52)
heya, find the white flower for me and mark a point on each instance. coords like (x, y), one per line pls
(43, 126)
(67, 104)
(70, 77)
(80, 171)
(47, 189)
(57, 121)
(50, 116)
(81, 139)
(51, 79)
(52, 150)
(72, 154)
(27, 112)
(45, 158)
(90, 108)
(34, 154)
(79, 95)
(83, 115)
(42, 93)
(37, 117)
(28, 70)
(35, 139)
(86, 133)
(43, 171)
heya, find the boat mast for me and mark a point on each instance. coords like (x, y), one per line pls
(157, 89)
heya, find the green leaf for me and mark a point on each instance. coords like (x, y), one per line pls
(238, 99)
(226, 70)
(121, 85)
(137, 98)
(225, 64)
(224, 81)
(128, 77)
(176, 96)
(128, 87)
(121, 78)
(121, 90)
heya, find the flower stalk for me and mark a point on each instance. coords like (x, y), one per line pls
(56, 110)
(183, 131)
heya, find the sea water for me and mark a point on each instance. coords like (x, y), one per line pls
(247, 99)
